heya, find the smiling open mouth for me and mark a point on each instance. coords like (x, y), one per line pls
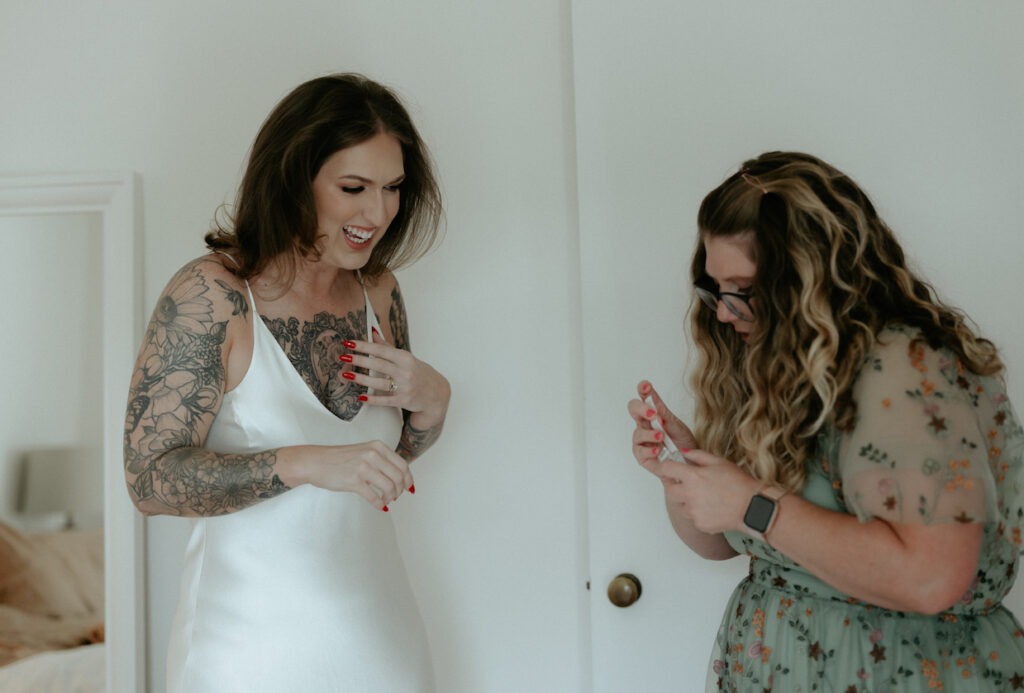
(357, 235)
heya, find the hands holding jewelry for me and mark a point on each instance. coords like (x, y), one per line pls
(398, 378)
(711, 492)
(647, 441)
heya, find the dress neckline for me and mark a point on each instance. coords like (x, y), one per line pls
(370, 322)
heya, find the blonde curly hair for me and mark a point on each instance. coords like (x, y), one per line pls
(830, 276)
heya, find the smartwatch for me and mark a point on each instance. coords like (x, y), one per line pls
(762, 511)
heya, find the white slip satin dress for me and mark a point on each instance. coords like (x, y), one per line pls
(305, 592)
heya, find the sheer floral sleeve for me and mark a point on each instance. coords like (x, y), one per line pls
(933, 442)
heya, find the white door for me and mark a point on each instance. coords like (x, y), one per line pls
(635, 243)
(639, 187)
(670, 98)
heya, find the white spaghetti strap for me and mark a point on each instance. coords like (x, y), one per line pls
(371, 316)
(252, 301)
(371, 324)
(233, 260)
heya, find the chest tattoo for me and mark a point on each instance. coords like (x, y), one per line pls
(313, 347)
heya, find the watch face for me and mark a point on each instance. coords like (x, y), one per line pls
(759, 513)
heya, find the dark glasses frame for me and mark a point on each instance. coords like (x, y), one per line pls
(737, 304)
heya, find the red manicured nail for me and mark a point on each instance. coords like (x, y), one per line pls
(376, 332)
(385, 508)
(363, 398)
(645, 388)
(349, 343)
(412, 489)
(650, 413)
(348, 375)
(685, 449)
(347, 358)
(657, 435)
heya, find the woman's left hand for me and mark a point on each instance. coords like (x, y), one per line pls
(399, 380)
(712, 492)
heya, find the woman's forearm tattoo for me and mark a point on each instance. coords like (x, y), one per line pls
(176, 390)
(415, 441)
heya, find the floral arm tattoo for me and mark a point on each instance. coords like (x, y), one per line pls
(175, 394)
(414, 441)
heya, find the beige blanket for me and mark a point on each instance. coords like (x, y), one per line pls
(51, 591)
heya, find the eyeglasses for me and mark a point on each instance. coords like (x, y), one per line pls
(738, 304)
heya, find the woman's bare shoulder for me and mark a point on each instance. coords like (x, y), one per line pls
(381, 283)
(387, 301)
(203, 293)
(383, 290)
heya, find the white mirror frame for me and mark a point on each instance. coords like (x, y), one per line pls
(117, 197)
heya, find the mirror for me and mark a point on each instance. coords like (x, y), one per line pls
(99, 217)
(51, 432)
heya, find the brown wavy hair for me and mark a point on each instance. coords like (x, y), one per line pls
(830, 277)
(274, 216)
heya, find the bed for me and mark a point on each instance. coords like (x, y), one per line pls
(51, 611)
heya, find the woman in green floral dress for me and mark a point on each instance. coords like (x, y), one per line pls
(853, 437)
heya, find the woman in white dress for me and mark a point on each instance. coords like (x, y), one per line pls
(272, 405)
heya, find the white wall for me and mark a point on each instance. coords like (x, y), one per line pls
(177, 90)
(674, 98)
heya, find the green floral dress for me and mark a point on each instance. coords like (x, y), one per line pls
(933, 443)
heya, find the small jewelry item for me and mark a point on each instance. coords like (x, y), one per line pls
(669, 451)
(392, 385)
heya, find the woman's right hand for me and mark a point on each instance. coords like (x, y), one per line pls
(371, 469)
(647, 441)
(647, 444)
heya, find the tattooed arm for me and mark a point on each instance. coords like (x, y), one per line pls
(415, 441)
(176, 391)
(422, 428)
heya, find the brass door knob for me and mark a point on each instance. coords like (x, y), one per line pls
(624, 589)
